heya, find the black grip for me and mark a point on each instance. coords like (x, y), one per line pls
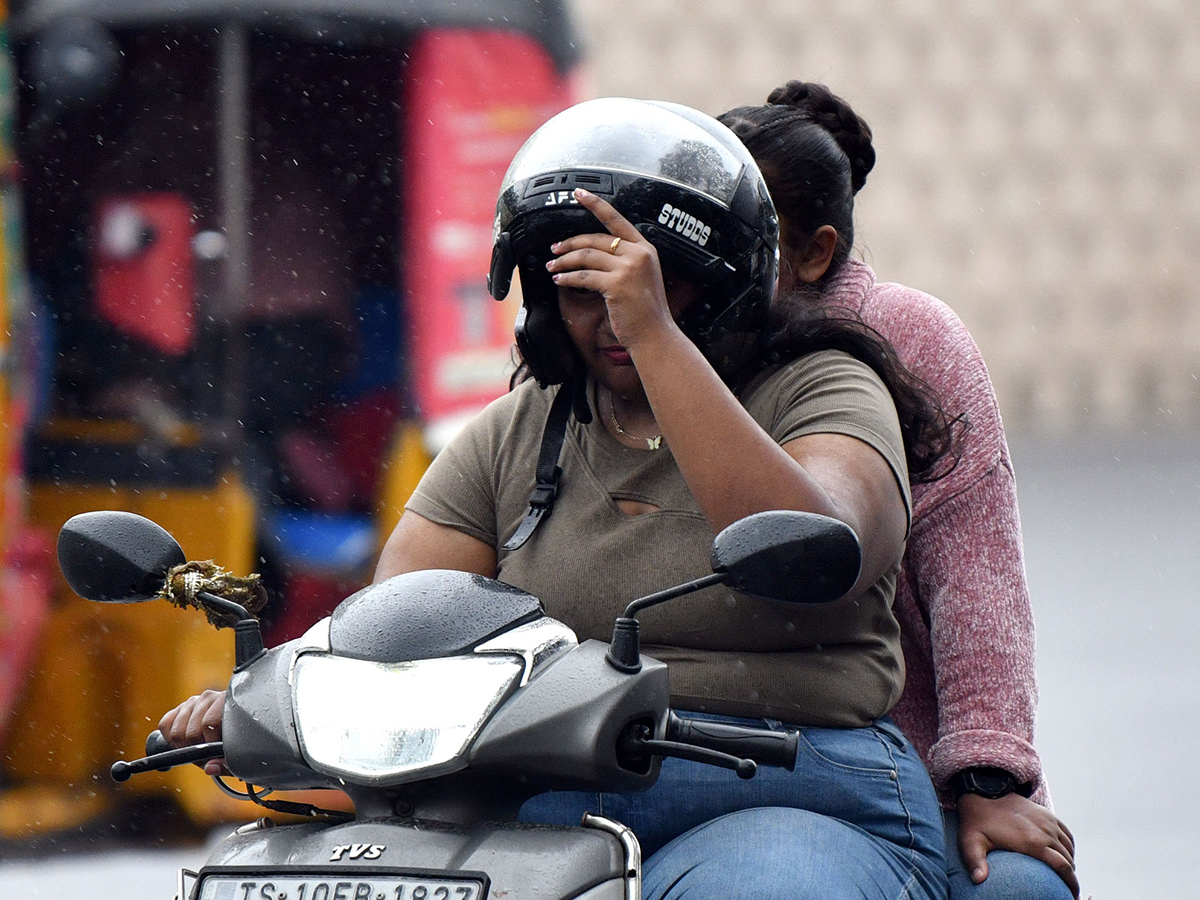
(156, 743)
(765, 747)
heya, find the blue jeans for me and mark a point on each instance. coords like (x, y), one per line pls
(858, 818)
(1011, 876)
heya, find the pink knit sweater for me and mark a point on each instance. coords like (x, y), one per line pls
(970, 696)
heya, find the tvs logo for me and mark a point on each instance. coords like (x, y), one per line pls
(684, 223)
(357, 851)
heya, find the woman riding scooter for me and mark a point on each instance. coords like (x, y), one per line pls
(962, 600)
(647, 244)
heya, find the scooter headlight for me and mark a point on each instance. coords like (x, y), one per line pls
(382, 723)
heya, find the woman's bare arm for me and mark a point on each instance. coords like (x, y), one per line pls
(416, 544)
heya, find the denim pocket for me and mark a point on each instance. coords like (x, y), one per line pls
(862, 751)
(893, 733)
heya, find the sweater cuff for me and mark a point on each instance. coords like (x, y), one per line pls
(999, 749)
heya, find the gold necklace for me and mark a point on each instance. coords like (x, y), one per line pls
(652, 443)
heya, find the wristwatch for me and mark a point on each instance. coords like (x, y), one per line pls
(987, 781)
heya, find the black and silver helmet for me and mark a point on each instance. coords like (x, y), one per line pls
(683, 179)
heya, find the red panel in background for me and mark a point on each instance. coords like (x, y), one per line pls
(26, 580)
(472, 99)
(142, 268)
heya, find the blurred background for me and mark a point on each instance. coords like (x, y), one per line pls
(1035, 170)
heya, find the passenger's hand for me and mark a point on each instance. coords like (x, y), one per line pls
(197, 720)
(629, 277)
(1015, 823)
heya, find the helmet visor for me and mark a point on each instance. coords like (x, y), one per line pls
(634, 136)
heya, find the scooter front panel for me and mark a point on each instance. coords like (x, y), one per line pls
(519, 861)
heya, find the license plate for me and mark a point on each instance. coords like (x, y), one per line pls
(358, 886)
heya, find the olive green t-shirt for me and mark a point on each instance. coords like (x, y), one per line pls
(834, 664)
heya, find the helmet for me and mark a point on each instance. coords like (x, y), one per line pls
(685, 182)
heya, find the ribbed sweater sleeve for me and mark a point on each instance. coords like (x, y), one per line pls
(968, 573)
(962, 599)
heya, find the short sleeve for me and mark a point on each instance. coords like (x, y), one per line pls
(831, 392)
(458, 488)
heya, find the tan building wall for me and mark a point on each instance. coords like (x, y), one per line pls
(1037, 169)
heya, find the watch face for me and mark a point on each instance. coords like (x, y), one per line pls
(989, 783)
(992, 786)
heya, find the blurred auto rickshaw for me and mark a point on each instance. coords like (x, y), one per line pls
(257, 236)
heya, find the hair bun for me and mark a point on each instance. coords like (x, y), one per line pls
(794, 93)
(820, 105)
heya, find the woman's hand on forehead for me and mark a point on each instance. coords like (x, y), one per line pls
(621, 266)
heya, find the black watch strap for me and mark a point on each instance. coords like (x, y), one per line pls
(986, 781)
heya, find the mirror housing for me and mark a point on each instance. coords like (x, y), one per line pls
(794, 557)
(116, 557)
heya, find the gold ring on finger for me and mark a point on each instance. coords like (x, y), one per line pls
(612, 248)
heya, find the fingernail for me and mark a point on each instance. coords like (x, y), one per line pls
(581, 193)
(555, 278)
(554, 247)
(977, 876)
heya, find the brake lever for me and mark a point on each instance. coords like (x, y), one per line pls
(122, 770)
(637, 743)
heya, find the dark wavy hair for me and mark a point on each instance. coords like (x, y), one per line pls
(815, 153)
(802, 324)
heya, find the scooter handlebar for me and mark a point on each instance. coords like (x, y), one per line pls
(765, 747)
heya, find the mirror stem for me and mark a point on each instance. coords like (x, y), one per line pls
(624, 651)
(247, 635)
(225, 606)
(247, 643)
(671, 593)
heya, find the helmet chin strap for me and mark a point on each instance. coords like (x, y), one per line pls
(571, 397)
(579, 399)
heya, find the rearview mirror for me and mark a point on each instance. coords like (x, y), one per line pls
(116, 557)
(780, 554)
(790, 556)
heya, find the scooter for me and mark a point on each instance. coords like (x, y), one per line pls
(440, 701)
